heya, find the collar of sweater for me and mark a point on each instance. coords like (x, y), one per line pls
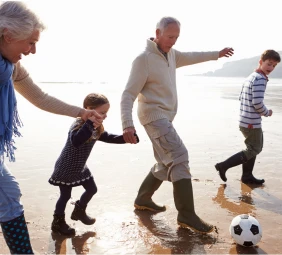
(153, 47)
(261, 72)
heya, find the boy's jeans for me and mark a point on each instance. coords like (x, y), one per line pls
(253, 141)
(10, 193)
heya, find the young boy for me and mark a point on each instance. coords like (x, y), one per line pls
(251, 110)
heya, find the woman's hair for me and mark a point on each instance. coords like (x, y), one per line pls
(165, 21)
(270, 54)
(18, 20)
(93, 101)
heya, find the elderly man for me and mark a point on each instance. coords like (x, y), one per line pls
(153, 80)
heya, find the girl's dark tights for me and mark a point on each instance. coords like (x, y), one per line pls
(90, 190)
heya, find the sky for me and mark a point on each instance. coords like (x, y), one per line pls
(89, 40)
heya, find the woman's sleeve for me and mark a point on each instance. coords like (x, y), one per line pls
(29, 90)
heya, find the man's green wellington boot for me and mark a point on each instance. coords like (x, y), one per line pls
(144, 200)
(184, 202)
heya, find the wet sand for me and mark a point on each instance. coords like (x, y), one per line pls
(207, 123)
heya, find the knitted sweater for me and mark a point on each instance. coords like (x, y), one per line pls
(28, 89)
(153, 80)
(70, 168)
(251, 97)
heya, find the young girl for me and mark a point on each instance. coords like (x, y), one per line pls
(71, 169)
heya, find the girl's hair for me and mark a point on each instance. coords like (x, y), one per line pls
(165, 21)
(17, 20)
(93, 101)
(270, 54)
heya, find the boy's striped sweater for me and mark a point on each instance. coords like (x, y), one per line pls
(251, 97)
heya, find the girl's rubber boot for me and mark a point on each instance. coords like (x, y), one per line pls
(79, 213)
(59, 225)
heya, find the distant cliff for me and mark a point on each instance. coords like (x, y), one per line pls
(242, 68)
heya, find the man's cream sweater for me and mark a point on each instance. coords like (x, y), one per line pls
(28, 89)
(153, 80)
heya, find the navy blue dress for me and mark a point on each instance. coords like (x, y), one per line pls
(70, 168)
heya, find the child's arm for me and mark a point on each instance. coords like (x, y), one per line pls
(111, 138)
(81, 135)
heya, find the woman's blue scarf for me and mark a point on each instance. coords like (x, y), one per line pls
(9, 119)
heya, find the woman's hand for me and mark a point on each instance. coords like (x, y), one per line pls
(92, 115)
(96, 122)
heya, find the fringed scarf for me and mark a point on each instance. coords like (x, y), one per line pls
(9, 119)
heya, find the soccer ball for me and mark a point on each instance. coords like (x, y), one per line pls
(245, 230)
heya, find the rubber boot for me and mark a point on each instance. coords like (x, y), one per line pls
(184, 202)
(235, 160)
(59, 225)
(144, 200)
(247, 176)
(80, 214)
(16, 236)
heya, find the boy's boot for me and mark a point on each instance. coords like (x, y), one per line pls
(16, 236)
(235, 160)
(144, 200)
(184, 202)
(59, 225)
(80, 214)
(247, 176)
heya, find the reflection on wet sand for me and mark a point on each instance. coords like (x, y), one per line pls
(169, 240)
(244, 205)
(79, 243)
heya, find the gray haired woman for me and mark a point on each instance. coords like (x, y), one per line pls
(20, 30)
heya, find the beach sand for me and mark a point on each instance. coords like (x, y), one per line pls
(207, 122)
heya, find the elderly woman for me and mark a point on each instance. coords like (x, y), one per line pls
(20, 30)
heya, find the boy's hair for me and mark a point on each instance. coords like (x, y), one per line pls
(94, 100)
(270, 54)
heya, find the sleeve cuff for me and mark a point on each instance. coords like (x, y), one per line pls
(127, 123)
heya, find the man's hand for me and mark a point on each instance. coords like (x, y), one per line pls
(128, 135)
(86, 114)
(226, 52)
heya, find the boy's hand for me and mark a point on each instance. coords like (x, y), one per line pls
(270, 112)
